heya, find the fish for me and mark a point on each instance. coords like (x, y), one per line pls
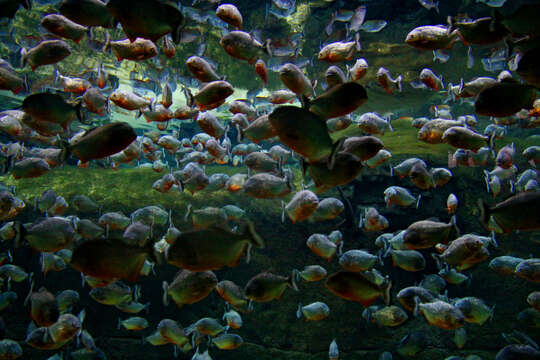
(513, 213)
(340, 100)
(430, 4)
(202, 70)
(228, 341)
(426, 233)
(137, 50)
(215, 247)
(356, 286)
(387, 82)
(338, 51)
(108, 260)
(88, 13)
(358, 70)
(48, 52)
(260, 69)
(432, 37)
(230, 14)
(102, 141)
(64, 27)
(189, 287)
(10, 80)
(301, 206)
(313, 312)
(390, 316)
(504, 99)
(147, 19)
(303, 132)
(243, 46)
(265, 286)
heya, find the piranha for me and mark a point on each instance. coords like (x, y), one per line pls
(384, 77)
(189, 287)
(138, 50)
(340, 100)
(46, 53)
(432, 37)
(305, 133)
(102, 141)
(266, 286)
(109, 260)
(202, 70)
(230, 14)
(212, 248)
(313, 312)
(505, 99)
(356, 286)
(87, 13)
(63, 27)
(243, 46)
(515, 213)
(148, 19)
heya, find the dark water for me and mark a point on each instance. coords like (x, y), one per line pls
(271, 330)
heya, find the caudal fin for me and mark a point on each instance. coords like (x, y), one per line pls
(484, 212)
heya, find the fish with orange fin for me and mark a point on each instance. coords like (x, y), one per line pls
(358, 287)
(260, 69)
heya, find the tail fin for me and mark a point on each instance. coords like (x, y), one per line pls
(453, 222)
(299, 311)
(165, 298)
(292, 280)
(255, 238)
(387, 293)
(335, 149)
(398, 81)
(484, 212)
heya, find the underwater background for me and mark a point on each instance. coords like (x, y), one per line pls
(272, 330)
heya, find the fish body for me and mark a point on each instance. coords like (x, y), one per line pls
(515, 213)
(301, 206)
(63, 27)
(338, 51)
(313, 312)
(504, 99)
(201, 69)
(46, 53)
(442, 314)
(189, 287)
(425, 234)
(233, 295)
(266, 286)
(230, 14)
(355, 286)
(384, 77)
(340, 100)
(103, 141)
(148, 19)
(137, 50)
(213, 94)
(267, 186)
(390, 316)
(211, 248)
(87, 13)
(359, 69)
(302, 131)
(295, 79)
(464, 138)
(243, 46)
(50, 234)
(432, 37)
(129, 100)
(108, 260)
